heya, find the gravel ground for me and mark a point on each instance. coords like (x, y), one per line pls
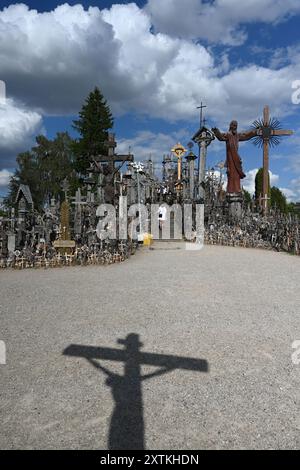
(237, 309)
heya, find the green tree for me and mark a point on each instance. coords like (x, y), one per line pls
(293, 208)
(27, 172)
(43, 169)
(278, 200)
(55, 163)
(259, 177)
(95, 120)
(258, 183)
(247, 196)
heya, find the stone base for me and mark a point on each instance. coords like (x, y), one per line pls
(235, 204)
(64, 246)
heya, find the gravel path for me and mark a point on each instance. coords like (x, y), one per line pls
(237, 309)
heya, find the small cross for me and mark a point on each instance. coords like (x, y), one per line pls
(77, 200)
(201, 113)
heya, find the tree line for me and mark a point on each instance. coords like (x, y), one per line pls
(50, 162)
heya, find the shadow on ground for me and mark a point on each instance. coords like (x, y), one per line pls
(127, 421)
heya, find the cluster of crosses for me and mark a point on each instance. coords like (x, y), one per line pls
(112, 177)
(189, 182)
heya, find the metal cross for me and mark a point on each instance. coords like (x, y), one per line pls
(201, 113)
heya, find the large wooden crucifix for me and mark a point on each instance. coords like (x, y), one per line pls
(112, 157)
(127, 421)
(109, 171)
(269, 133)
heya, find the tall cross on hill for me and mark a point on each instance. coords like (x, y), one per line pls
(269, 133)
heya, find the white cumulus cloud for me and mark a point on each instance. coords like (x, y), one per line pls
(52, 60)
(145, 60)
(147, 144)
(5, 176)
(249, 182)
(220, 21)
(290, 194)
(18, 126)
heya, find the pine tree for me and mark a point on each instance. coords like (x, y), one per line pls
(95, 120)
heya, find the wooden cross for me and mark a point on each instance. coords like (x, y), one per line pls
(127, 422)
(113, 158)
(266, 132)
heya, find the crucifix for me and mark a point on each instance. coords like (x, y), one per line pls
(203, 138)
(269, 133)
(108, 172)
(127, 421)
(113, 158)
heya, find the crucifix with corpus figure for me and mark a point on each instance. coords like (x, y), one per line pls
(269, 133)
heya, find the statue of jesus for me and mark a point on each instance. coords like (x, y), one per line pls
(233, 161)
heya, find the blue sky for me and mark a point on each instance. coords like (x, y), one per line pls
(155, 62)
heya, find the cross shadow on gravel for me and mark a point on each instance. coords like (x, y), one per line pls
(127, 422)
